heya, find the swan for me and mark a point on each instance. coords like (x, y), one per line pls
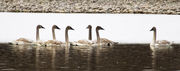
(102, 41)
(21, 41)
(53, 42)
(85, 42)
(66, 34)
(159, 42)
(38, 41)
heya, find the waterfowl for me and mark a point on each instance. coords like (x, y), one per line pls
(21, 41)
(66, 34)
(159, 42)
(102, 41)
(38, 41)
(85, 42)
(53, 42)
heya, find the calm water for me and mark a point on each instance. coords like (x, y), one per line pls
(134, 57)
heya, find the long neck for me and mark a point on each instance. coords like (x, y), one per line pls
(154, 36)
(98, 37)
(90, 34)
(37, 34)
(66, 36)
(53, 33)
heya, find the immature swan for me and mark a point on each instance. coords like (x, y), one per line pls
(38, 42)
(66, 34)
(85, 42)
(102, 41)
(21, 41)
(159, 42)
(53, 42)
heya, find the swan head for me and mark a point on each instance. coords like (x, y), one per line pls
(55, 27)
(153, 29)
(69, 28)
(40, 27)
(99, 28)
(89, 27)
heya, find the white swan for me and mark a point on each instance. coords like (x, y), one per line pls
(66, 35)
(102, 41)
(159, 42)
(85, 42)
(38, 41)
(53, 42)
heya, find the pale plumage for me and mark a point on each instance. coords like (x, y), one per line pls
(66, 35)
(102, 41)
(38, 41)
(21, 41)
(159, 42)
(85, 42)
(53, 42)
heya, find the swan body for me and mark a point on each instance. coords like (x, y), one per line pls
(103, 42)
(82, 43)
(53, 43)
(161, 43)
(22, 41)
(158, 43)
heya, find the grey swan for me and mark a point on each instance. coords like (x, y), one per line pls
(158, 42)
(38, 41)
(24, 41)
(67, 36)
(102, 41)
(53, 42)
(85, 42)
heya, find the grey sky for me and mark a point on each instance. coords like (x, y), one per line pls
(118, 27)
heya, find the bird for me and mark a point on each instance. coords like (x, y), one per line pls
(158, 42)
(66, 35)
(38, 41)
(85, 42)
(102, 41)
(21, 41)
(53, 42)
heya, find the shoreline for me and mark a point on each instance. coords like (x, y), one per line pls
(171, 7)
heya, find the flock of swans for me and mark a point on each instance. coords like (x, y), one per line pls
(89, 42)
(54, 42)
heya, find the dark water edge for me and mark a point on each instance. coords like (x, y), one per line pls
(122, 57)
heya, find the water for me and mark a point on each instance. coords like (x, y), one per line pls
(132, 57)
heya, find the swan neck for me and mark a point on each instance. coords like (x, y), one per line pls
(90, 33)
(37, 34)
(98, 37)
(53, 33)
(154, 36)
(66, 36)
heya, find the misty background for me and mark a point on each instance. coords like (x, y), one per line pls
(126, 28)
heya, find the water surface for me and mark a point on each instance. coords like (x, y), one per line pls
(124, 57)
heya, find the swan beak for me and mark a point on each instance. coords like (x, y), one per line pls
(87, 27)
(102, 28)
(152, 29)
(71, 28)
(58, 28)
(42, 27)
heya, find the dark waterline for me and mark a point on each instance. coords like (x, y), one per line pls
(134, 57)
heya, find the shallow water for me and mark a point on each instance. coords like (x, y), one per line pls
(131, 57)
